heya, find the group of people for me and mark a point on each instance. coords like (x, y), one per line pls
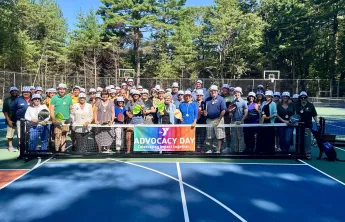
(129, 104)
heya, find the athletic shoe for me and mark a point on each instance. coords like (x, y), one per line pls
(209, 151)
(12, 149)
(217, 151)
(308, 156)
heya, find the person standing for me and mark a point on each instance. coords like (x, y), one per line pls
(285, 111)
(307, 112)
(38, 130)
(149, 110)
(198, 86)
(11, 126)
(19, 107)
(228, 98)
(60, 104)
(81, 114)
(175, 91)
(167, 115)
(200, 131)
(239, 115)
(189, 109)
(266, 135)
(119, 109)
(75, 94)
(252, 118)
(104, 115)
(215, 110)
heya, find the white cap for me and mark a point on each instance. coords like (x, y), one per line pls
(200, 92)
(226, 86)
(213, 87)
(286, 94)
(98, 95)
(174, 85)
(38, 88)
(107, 88)
(36, 96)
(112, 91)
(276, 94)
(32, 87)
(187, 93)
(168, 94)
(161, 91)
(252, 94)
(131, 91)
(13, 89)
(180, 92)
(157, 87)
(144, 91)
(238, 89)
(82, 90)
(82, 95)
(130, 80)
(136, 92)
(99, 89)
(295, 96)
(260, 86)
(120, 99)
(133, 87)
(112, 87)
(168, 90)
(92, 90)
(269, 93)
(199, 81)
(124, 84)
(62, 86)
(303, 93)
(139, 87)
(260, 93)
(117, 88)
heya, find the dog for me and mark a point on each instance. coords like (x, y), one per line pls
(325, 147)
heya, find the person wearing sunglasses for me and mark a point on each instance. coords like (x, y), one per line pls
(307, 112)
(37, 130)
(285, 111)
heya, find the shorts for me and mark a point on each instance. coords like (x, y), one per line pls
(218, 132)
(10, 132)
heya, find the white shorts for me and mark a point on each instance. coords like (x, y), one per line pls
(10, 132)
(218, 132)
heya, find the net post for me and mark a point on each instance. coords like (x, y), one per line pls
(300, 134)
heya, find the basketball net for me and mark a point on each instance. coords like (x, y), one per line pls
(126, 78)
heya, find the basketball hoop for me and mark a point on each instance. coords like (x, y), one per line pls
(126, 78)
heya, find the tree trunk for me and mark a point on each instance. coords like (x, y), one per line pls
(95, 66)
(137, 53)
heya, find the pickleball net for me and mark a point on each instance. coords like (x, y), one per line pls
(245, 140)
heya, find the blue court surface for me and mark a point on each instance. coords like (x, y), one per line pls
(122, 191)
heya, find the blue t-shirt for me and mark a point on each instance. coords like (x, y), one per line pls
(18, 108)
(119, 110)
(239, 112)
(214, 107)
(189, 112)
(174, 96)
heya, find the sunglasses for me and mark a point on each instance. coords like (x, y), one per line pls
(303, 98)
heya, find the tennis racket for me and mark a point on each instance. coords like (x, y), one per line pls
(121, 117)
(178, 114)
(294, 119)
(232, 107)
(43, 114)
(160, 107)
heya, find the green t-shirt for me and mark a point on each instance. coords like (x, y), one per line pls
(62, 105)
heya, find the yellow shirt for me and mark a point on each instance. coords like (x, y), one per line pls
(75, 99)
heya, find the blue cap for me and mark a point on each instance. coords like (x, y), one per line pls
(226, 86)
(13, 88)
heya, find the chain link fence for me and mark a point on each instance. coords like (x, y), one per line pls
(319, 88)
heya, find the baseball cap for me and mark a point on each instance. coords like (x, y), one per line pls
(286, 94)
(62, 86)
(92, 90)
(213, 87)
(144, 91)
(303, 93)
(199, 81)
(38, 88)
(174, 85)
(199, 92)
(120, 99)
(180, 92)
(238, 89)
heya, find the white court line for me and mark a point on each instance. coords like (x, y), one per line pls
(35, 167)
(322, 172)
(339, 149)
(190, 186)
(183, 196)
(273, 164)
(38, 162)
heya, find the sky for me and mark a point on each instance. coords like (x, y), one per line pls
(70, 8)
